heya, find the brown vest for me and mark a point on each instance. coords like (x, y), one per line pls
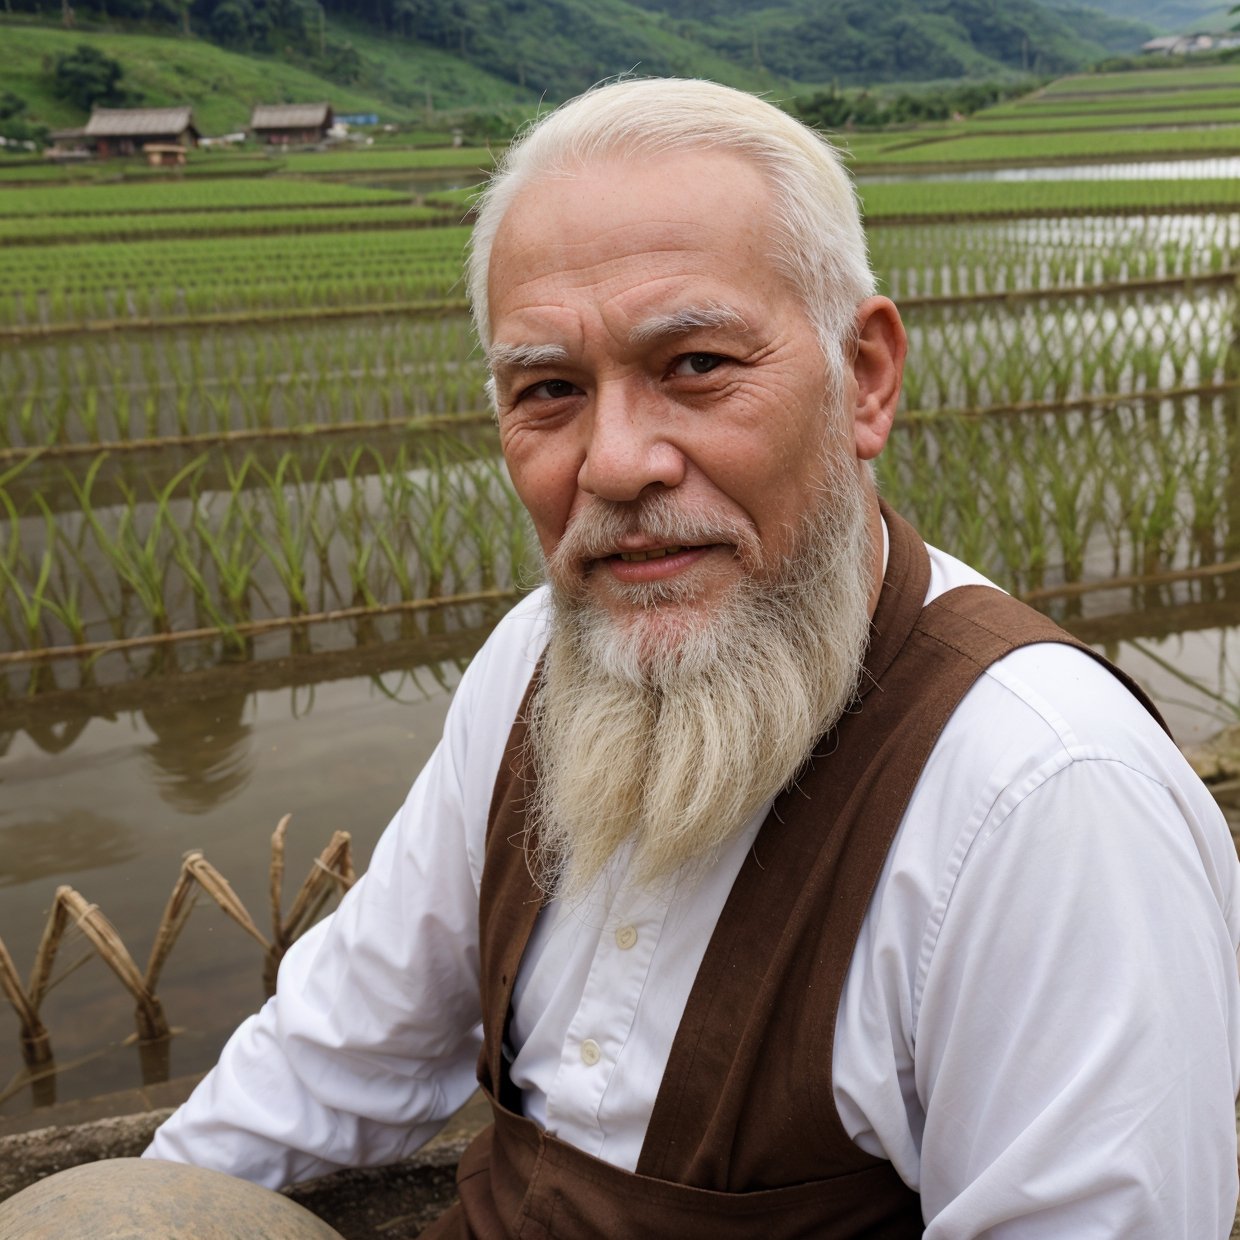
(744, 1140)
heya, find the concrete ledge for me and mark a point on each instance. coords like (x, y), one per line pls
(27, 1157)
(372, 1203)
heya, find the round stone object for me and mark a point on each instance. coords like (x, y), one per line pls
(144, 1199)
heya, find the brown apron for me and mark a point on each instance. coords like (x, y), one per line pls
(744, 1139)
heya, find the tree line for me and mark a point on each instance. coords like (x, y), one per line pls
(558, 47)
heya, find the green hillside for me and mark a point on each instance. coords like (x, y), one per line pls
(867, 41)
(396, 57)
(222, 86)
(1169, 16)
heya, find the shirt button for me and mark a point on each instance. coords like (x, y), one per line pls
(626, 936)
(591, 1053)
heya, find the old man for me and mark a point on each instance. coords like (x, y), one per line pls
(776, 876)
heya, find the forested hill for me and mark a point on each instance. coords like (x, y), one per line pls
(557, 47)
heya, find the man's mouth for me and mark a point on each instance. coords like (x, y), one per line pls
(655, 553)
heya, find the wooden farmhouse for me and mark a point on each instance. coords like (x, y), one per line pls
(291, 124)
(126, 131)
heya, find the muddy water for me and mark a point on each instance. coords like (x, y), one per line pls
(106, 790)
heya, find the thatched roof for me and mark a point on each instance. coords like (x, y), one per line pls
(291, 116)
(139, 122)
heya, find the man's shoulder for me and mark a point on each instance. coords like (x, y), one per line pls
(1044, 719)
(1047, 697)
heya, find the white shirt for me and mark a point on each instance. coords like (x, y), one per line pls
(1040, 1026)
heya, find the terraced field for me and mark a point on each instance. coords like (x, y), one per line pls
(244, 441)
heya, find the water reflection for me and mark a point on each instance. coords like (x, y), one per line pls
(184, 768)
(1144, 170)
(43, 847)
(1194, 676)
(199, 760)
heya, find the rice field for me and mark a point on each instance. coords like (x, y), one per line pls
(161, 471)
(215, 224)
(1108, 143)
(954, 199)
(1054, 252)
(115, 390)
(349, 527)
(1152, 115)
(380, 160)
(1132, 81)
(1130, 101)
(1125, 493)
(72, 284)
(244, 434)
(181, 196)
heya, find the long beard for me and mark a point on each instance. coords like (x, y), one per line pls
(666, 730)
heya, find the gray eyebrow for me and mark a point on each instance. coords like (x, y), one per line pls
(525, 355)
(688, 318)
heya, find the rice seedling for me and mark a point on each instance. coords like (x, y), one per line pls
(370, 161)
(50, 230)
(1144, 81)
(344, 528)
(1131, 491)
(302, 378)
(1177, 109)
(82, 282)
(1030, 353)
(181, 196)
(1022, 199)
(1065, 145)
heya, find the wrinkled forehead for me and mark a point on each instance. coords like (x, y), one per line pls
(711, 208)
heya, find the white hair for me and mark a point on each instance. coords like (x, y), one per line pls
(816, 233)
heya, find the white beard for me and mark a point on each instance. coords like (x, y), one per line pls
(665, 730)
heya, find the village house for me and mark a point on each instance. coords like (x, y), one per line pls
(1190, 44)
(127, 131)
(291, 124)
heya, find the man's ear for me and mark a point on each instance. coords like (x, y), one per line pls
(878, 370)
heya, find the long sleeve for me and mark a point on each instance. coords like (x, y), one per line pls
(370, 1042)
(1076, 1043)
(1040, 1027)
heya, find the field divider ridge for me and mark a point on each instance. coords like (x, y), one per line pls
(247, 628)
(236, 318)
(432, 422)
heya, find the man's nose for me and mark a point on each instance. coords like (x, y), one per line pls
(628, 448)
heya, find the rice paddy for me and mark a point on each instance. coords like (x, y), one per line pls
(239, 411)
(347, 527)
(224, 195)
(309, 333)
(1108, 143)
(73, 284)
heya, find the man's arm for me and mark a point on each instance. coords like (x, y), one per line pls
(367, 1046)
(371, 1040)
(1076, 1041)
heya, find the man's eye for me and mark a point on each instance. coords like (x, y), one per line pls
(551, 389)
(697, 363)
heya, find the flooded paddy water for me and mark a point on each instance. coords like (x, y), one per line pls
(107, 790)
(1117, 170)
(308, 497)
